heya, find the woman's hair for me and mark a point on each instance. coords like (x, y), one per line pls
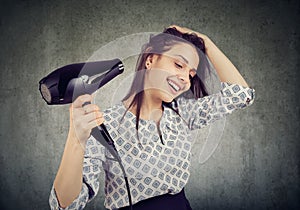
(159, 44)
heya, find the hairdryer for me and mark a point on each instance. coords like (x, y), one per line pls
(65, 84)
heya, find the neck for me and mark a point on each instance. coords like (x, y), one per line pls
(151, 108)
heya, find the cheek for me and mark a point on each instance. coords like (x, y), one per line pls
(161, 71)
(156, 78)
(164, 64)
(188, 86)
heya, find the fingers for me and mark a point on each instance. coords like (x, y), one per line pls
(90, 108)
(96, 122)
(81, 100)
(97, 115)
(184, 30)
(85, 114)
(181, 29)
(92, 115)
(173, 26)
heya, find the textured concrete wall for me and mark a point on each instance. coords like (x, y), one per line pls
(256, 165)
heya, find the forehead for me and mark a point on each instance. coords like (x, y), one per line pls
(186, 52)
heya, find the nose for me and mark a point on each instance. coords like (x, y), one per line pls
(184, 77)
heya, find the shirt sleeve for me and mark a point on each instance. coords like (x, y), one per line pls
(93, 159)
(201, 112)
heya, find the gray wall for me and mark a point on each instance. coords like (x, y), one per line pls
(256, 165)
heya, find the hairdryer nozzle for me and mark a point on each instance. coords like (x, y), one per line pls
(46, 94)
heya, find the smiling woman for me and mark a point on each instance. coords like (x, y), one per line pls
(151, 127)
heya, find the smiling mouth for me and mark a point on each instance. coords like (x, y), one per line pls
(173, 85)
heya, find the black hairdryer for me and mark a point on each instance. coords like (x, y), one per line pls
(65, 84)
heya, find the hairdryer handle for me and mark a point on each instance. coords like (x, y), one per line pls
(101, 134)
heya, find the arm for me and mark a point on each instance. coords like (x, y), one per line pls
(68, 183)
(226, 71)
(93, 159)
(201, 112)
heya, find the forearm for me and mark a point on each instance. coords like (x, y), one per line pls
(68, 181)
(226, 71)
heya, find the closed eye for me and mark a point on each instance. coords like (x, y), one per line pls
(178, 65)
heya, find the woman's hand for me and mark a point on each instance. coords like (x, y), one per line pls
(84, 118)
(189, 31)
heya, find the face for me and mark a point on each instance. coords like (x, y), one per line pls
(168, 75)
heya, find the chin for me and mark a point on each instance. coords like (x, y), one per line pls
(168, 99)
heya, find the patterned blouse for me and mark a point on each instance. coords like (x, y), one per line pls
(155, 165)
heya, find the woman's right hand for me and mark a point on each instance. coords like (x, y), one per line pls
(84, 118)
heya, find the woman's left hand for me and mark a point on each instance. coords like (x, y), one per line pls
(190, 31)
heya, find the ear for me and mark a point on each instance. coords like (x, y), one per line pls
(149, 61)
(192, 73)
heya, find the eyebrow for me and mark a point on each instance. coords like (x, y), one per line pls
(184, 60)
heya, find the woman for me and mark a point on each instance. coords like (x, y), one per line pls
(150, 128)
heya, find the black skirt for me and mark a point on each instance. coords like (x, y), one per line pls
(165, 202)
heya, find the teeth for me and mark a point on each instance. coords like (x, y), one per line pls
(173, 85)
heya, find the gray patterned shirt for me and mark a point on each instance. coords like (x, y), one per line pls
(152, 168)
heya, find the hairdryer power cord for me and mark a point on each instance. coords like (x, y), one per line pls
(109, 144)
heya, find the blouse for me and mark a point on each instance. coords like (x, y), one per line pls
(154, 164)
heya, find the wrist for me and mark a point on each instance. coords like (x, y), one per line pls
(75, 143)
(209, 46)
(207, 42)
